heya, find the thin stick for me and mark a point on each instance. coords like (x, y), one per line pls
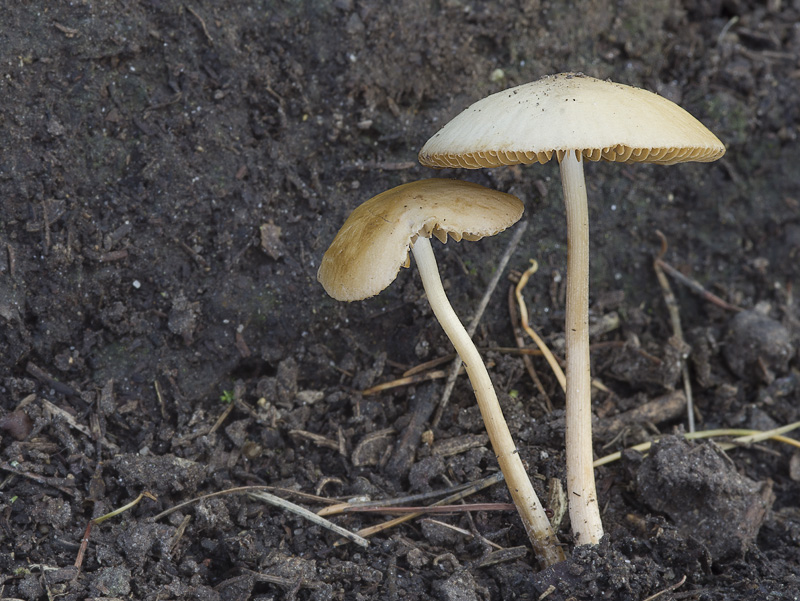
(309, 515)
(519, 230)
(73, 423)
(413, 371)
(422, 509)
(669, 589)
(405, 381)
(221, 419)
(238, 490)
(62, 484)
(287, 583)
(513, 312)
(84, 544)
(344, 507)
(744, 437)
(464, 532)
(126, 507)
(179, 532)
(504, 350)
(677, 330)
(41, 375)
(98, 520)
(696, 287)
(476, 487)
(414, 375)
(523, 317)
(157, 386)
(202, 23)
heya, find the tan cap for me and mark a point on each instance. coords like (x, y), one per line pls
(570, 111)
(373, 243)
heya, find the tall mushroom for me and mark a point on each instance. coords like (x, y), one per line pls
(366, 256)
(573, 117)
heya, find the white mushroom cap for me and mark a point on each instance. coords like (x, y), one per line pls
(571, 112)
(373, 244)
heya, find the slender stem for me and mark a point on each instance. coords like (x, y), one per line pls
(536, 523)
(584, 510)
(473, 325)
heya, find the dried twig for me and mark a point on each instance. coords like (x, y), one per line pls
(238, 392)
(523, 317)
(68, 417)
(405, 381)
(65, 485)
(44, 377)
(743, 437)
(69, 32)
(239, 490)
(677, 330)
(501, 555)
(404, 450)
(258, 492)
(414, 375)
(694, 286)
(422, 509)
(669, 589)
(436, 362)
(309, 515)
(286, 583)
(663, 408)
(103, 518)
(477, 486)
(317, 439)
(157, 386)
(176, 538)
(513, 312)
(202, 24)
(467, 533)
(344, 507)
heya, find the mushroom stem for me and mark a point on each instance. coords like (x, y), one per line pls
(584, 510)
(537, 525)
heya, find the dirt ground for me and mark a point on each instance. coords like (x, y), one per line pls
(171, 174)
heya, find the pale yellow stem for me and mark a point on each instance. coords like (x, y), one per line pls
(535, 520)
(584, 510)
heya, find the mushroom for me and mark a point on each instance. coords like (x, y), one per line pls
(366, 256)
(573, 117)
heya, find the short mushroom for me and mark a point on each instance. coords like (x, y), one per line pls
(366, 256)
(573, 117)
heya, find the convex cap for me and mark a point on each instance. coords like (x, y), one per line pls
(571, 112)
(373, 244)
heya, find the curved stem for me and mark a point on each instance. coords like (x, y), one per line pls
(536, 523)
(584, 510)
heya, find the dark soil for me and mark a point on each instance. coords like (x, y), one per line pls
(171, 174)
